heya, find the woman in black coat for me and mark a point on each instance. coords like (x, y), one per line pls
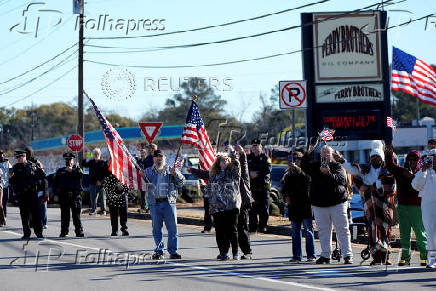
(295, 190)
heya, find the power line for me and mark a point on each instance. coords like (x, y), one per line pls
(244, 60)
(49, 84)
(244, 37)
(38, 66)
(39, 90)
(214, 26)
(59, 64)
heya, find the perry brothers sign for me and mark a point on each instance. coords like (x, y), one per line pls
(347, 72)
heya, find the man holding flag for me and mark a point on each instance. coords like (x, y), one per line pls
(162, 192)
(162, 196)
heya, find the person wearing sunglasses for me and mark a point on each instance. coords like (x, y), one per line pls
(24, 182)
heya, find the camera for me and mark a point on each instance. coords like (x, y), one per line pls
(428, 160)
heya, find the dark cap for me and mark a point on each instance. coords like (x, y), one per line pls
(68, 155)
(152, 146)
(158, 153)
(432, 140)
(19, 152)
(255, 141)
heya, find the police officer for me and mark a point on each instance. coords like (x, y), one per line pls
(67, 184)
(259, 167)
(24, 182)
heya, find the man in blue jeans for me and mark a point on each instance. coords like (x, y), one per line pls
(163, 185)
(295, 189)
(98, 170)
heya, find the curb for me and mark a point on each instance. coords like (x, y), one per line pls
(273, 229)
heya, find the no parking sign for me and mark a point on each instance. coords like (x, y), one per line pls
(292, 94)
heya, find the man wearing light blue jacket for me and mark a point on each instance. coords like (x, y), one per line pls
(164, 182)
(5, 167)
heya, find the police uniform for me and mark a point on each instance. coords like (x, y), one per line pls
(68, 186)
(25, 181)
(259, 189)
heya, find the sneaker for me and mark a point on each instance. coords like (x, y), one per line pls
(236, 257)
(311, 259)
(348, 260)
(114, 233)
(406, 263)
(39, 236)
(322, 260)
(264, 229)
(175, 256)
(424, 263)
(247, 257)
(92, 213)
(125, 233)
(157, 256)
(103, 213)
(80, 234)
(295, 260)
(27, 237)
(44, 227)
(431, 264)
(63, 234)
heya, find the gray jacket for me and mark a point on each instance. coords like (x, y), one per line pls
(223, 188)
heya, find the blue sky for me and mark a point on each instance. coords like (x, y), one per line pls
(20, 52)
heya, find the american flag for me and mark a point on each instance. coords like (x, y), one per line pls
(123, 165)
(195, 133)
(326, 134)
(179, 163)
(391, 123)
(413, 76)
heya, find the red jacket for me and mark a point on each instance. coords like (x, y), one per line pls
(405, 192)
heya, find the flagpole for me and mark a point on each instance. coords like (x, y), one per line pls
(194, 98)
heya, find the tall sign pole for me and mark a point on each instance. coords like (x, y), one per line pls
(80, 124)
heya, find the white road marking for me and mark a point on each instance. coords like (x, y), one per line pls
(306, 286)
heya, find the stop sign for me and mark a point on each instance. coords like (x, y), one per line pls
(75, 142)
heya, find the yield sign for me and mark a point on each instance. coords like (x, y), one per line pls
(150, 129)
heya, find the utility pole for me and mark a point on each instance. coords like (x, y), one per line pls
(80, 124)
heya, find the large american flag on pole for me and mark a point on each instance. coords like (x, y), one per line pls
(413, 76)
(195, 133)
(123, 165)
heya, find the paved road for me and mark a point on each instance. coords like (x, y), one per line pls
(100, 262)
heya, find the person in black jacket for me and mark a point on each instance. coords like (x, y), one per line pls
(97, 172)
(259, 167)
(117, 194)
(24, 182)
(328, 197)
(67, 184)
(295, 190)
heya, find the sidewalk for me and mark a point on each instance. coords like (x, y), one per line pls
(193, 214)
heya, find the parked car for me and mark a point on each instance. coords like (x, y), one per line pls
(277, 172)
